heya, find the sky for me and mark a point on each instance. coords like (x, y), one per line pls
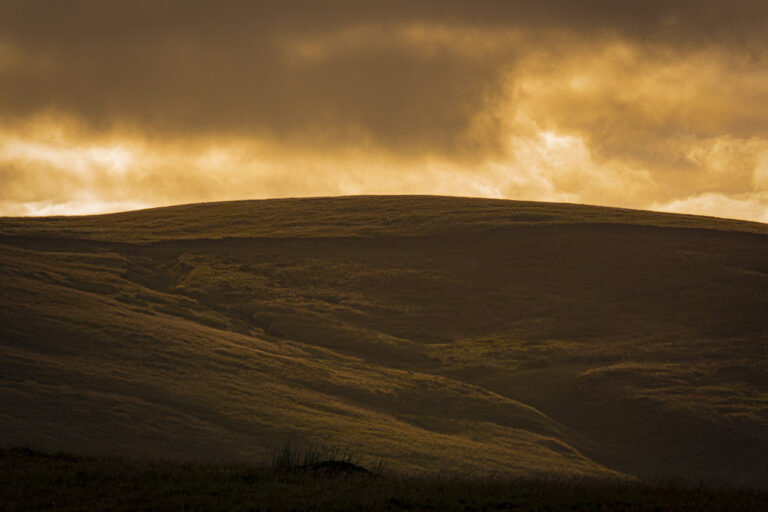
(115, 105)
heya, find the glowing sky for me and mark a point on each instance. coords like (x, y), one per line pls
(115, 105)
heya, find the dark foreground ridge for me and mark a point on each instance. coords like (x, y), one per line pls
(436, 334)
(77, 483)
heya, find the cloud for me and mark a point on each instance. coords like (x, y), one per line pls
(406, 75)
(646, 105)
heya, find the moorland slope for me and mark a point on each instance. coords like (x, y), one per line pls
(436, 333)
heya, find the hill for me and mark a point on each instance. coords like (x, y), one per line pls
(444, 334)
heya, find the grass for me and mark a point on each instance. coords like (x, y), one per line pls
(291, 459)
(32, 480)
(435, 334)
(352, 216)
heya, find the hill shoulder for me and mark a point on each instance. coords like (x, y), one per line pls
(348, 216)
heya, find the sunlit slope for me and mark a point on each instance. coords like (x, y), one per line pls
(92, 362)
(440, 332)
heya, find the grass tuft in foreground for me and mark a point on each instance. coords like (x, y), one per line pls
(317, 459)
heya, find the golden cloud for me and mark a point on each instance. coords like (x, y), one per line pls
(664, 107)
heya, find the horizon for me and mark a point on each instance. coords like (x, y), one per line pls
(111, 107)
(351, 196)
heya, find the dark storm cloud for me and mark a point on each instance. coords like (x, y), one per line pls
(188, 67)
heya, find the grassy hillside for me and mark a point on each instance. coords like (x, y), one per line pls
(350, 216)
(436, 333)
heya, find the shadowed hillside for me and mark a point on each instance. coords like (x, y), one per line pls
(437, 333)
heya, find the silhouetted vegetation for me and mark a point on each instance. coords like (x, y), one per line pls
(31, 480)
(317, 459)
